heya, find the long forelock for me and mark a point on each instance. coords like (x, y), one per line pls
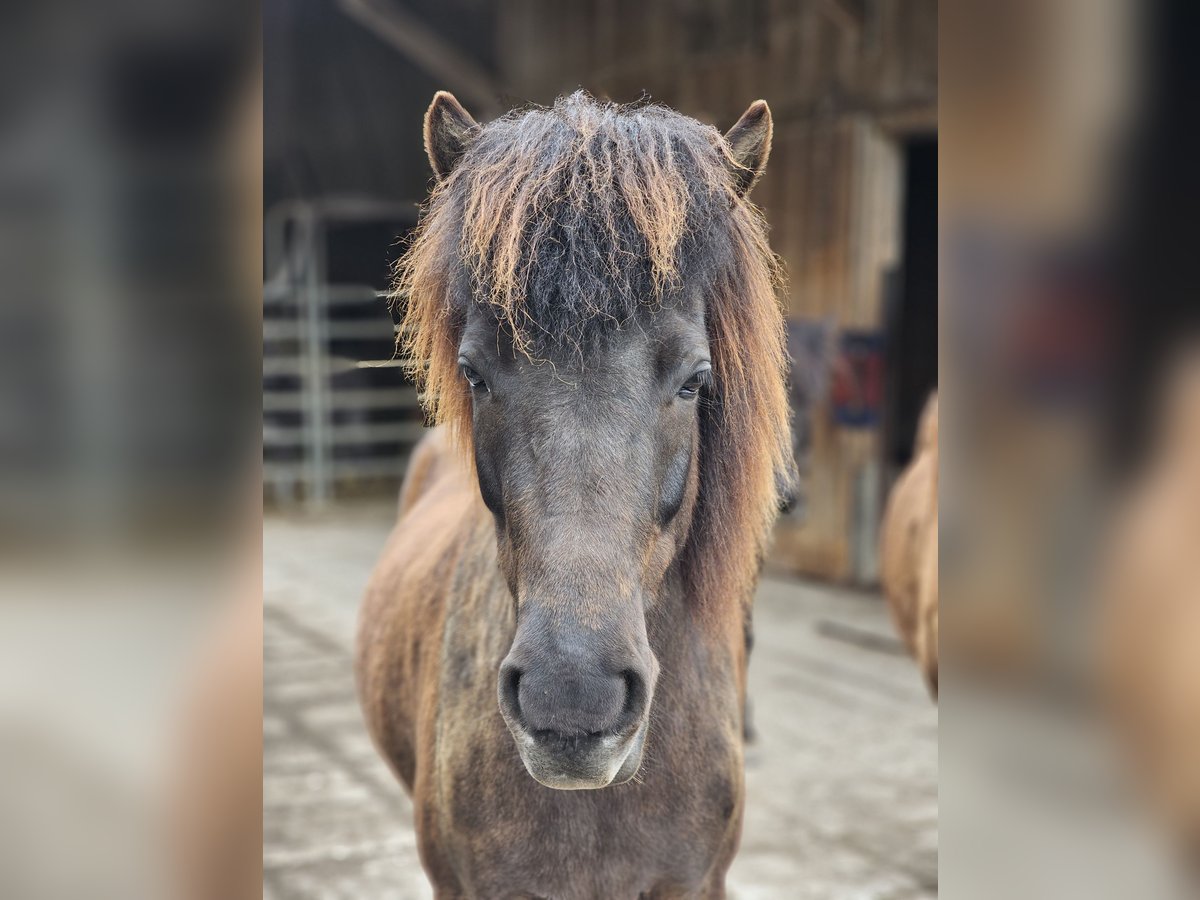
(581, 214)
(564, 221)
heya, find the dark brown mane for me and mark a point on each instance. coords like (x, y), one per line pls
(566, 220)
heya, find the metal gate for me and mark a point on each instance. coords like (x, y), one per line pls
(336, 409)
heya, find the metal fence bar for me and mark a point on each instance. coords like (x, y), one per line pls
(323, 424)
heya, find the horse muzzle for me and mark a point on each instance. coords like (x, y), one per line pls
(577, 709)
(579, 763)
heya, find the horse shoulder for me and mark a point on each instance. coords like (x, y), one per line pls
(431, 457)
(401, 619)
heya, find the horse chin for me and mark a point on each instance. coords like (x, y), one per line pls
(586, 765)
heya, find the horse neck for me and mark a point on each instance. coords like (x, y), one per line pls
(705, 636)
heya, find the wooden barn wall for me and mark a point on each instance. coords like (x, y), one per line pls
(846, 80)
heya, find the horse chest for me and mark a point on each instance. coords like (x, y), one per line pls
(671, 833)
(495, 832)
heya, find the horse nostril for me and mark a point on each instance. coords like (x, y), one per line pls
(635, 697)
(510, 682)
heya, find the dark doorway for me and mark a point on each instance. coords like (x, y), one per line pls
(912, 308)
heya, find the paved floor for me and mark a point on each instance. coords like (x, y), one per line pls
(842, 779)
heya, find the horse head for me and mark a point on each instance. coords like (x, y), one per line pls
(591, 302)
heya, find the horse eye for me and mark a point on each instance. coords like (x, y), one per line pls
(692, 387)
(473, 378)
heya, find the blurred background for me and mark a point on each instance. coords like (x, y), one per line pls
(130, 183)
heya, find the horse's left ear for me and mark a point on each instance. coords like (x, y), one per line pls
(750, 145)
(449, 130)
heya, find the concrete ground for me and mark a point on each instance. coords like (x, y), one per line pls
(842, 778)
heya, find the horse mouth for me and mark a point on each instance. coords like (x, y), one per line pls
(581, 762)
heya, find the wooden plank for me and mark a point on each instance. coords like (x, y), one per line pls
(429, 51)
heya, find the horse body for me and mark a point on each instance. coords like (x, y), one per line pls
(1150, 613)
(552, 651)
(909, 549)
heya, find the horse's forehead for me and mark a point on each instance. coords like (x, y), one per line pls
(616, 357)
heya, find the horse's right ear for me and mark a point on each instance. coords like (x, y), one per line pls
(449, 131)
(749, 146)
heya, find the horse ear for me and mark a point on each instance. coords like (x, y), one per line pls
(449, 130)
(750, 145)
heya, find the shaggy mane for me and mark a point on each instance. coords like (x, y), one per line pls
(568, 220)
